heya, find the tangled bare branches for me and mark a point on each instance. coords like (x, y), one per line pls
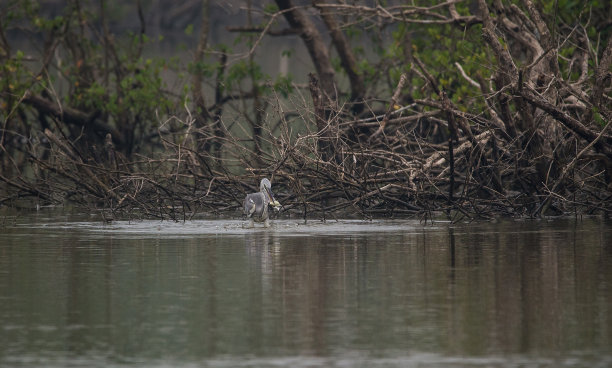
(525, 133)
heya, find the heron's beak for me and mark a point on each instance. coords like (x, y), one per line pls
(273, 202)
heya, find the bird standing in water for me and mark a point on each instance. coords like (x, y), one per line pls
(256, 204)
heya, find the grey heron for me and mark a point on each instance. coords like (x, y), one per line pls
(256, 204)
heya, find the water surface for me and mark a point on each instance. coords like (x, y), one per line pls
(209, 293)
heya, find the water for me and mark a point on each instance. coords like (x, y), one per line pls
(81, 293)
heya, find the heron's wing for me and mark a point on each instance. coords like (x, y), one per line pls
(253, 204)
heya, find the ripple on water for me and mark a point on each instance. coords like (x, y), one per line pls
(357, 359)
(153, 228)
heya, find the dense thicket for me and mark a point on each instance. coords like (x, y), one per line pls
(473, 108)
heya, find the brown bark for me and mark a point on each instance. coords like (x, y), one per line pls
(604, 144)
(347, 58)
(258, 105)
(198, 95)
(507, 67)
(73, 116)
(297, 19)
(602, 74)
(545, 37)
(394, 101)
(318, 102)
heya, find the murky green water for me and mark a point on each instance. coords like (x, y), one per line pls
(335, 294)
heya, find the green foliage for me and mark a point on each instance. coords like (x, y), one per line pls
(141, 89)
(594, 14)
(242, 70)
(283, 85)
(127, 87)
(597, 117)
(353, 32)
(270, 8)
(367, 69)
(206, 69)
(117, 83)
(13, 80)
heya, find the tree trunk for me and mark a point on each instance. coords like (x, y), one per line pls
(347, 58)
(202, 115)
(324, 143)
(314, 43)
